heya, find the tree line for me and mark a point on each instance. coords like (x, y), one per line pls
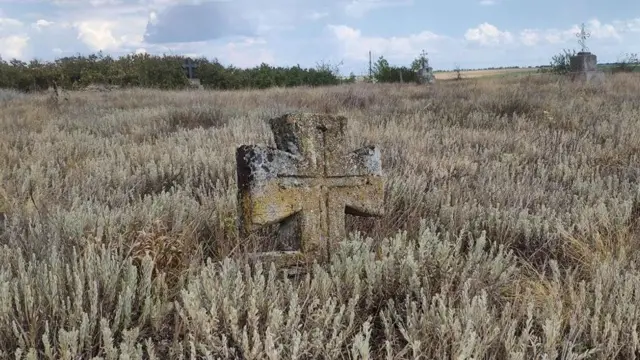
(383, 72)
(167, 72)
(155, 71)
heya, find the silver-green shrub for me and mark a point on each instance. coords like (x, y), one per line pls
(510, 230)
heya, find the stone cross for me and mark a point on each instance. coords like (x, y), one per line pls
(310, 178)
(189, 66)
(425, 59)
(583, 36)
(425, 72)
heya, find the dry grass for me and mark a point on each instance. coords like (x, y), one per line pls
(474, 74)
(510, 229)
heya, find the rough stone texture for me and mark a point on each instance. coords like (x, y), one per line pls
(195, 84)
(584, 61)
(189, 67)
(425, 76)
(584, 67)
(307, 183)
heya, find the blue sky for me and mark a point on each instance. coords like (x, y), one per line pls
(468, 33)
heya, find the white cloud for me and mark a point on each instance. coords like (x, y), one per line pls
(632, 25)
(597, 30)
(41, 24)
(244, 53)
(8, 24)
(153, 18)
(118, 27)
(358, 8)
(487, 34)
(13, 46)
(104, 2)
(529, 37)
(13, 38)
(94, 3)
(110, 35)
(318, 15)
(98, 34)
(247, 53)
(555, 37)
(355, 46)
(491, 46)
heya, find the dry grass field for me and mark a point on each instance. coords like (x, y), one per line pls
(510, 231)
(474, 74)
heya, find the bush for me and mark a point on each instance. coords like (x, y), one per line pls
(385, 73)
(627, 64)
(151, 71)
(560, 63)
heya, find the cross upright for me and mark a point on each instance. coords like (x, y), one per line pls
(311, 178)
(424, 60)
(583, 35)
(189, 65)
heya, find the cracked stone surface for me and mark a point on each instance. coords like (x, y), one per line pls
(584, 67)
(308, 183)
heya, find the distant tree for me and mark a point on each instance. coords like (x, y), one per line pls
(560, 63)
(416, 64)
(385, 73)
(328, 68)
(154, 71)
(381, 69)
(458, 72)
(351, 79)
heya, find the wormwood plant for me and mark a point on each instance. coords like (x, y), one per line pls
(9, 94)
(98, 305)
(510, 229)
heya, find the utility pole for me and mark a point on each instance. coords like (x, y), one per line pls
(370, 65)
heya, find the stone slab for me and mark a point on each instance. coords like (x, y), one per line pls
(308, 182)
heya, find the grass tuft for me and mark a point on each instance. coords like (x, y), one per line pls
(196, 117)
(510, 227)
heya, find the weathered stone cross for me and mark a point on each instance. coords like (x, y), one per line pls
(189, 66)
(310, 177)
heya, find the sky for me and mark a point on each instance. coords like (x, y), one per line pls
(246, 33)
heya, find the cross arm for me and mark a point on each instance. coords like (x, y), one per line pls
(262, 198)
(364, 161)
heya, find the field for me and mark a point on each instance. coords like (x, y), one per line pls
(472, 74)
(510, 230)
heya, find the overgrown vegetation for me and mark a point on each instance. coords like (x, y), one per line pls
(166, 72)
(510, 230)
(561, 64)
(383, 72)
(153, 71)
(629, 62)
(458, 72)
